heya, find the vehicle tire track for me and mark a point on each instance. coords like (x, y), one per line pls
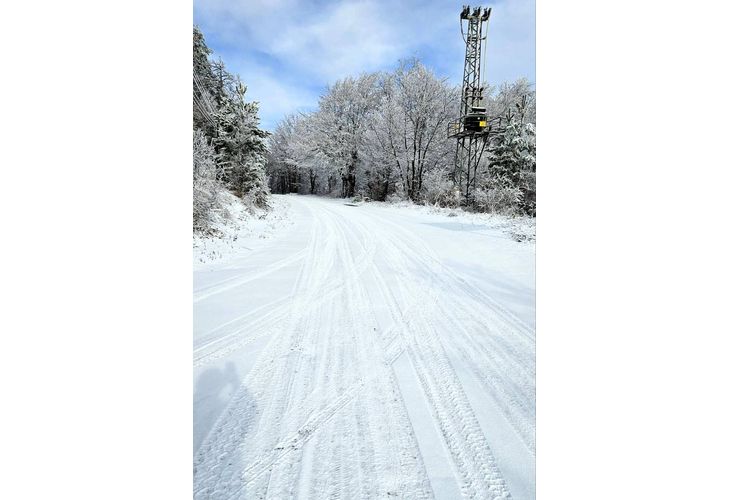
(320, 413)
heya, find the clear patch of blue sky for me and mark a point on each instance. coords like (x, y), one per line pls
(288, 51)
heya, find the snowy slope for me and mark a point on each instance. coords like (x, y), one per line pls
(239, 230)
(367, 352)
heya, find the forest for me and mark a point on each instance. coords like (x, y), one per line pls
(380, 135)
(383, 136)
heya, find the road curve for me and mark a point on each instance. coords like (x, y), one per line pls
(371, 353)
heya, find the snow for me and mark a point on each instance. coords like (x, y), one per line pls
(519, 228)
(370, 351)
(239, 229)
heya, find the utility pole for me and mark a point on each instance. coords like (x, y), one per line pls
(472, 129)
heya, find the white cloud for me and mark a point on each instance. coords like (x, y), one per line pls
(285, 48)
(278, 98)
(348, 39)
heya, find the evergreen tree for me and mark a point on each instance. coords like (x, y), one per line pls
(512, 156)
(241, 145)
(202, 84)
(505, 153)
(227, 130)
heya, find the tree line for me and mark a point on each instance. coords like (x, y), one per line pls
(383, 135)
(229, 147)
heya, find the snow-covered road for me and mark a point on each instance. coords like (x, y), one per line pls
(366, 352)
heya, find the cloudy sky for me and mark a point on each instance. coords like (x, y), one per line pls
(288, 51)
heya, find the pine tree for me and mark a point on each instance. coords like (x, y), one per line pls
(241, 145)
(505, 153)
(203, 107)
(528, 172)
(512, 157)
(230, 125)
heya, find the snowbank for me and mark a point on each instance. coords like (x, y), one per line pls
(239, 227)
(521, 228)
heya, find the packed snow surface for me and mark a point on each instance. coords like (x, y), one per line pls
(369, 351)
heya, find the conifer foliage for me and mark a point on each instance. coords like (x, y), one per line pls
(509, 185)
(229, 147)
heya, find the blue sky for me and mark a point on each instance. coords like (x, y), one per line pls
(288, 51)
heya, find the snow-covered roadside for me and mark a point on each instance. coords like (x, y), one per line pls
(521, 228)
(241, 227)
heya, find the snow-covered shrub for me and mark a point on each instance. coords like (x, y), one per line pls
(250, 183)
(498, 199)
(529, 192)
(206, 186)
(397, 195)
(438, 190)
(258, 196)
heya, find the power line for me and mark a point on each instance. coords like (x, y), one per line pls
(203, 93)
(202, 110)
(484, 53)
(202, 102)
(201, 107)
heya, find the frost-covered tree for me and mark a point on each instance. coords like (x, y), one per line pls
(296, 162)
(206, 181)
(427, 105)
(408, 134)
(282, 164)
(379, 133)
(339, 126)
(384, 134)
(311, 162)
(509, 96)
(512, 165)
(203, 107)
(228, 133)
(505, 152)
(241, 145)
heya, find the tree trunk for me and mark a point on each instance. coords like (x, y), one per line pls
(312, 181)
(348, 179)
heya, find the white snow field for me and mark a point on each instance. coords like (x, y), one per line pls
(363, 352)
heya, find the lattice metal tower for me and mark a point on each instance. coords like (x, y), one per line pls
(472, 129)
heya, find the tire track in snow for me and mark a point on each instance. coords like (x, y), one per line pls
(471, 459)
(292, 382)
(506, 373)
(270, 309)
(501, 353)
(381, 417)
(324, 383)
(228, 343)
(421, 251)
(296, 440)
(478, 474)
(370, 411)
(242, 433)
(286, 469)
(237, 281)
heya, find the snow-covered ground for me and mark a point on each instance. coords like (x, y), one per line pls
(370, 351)
(239, 230)
(519, 228)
